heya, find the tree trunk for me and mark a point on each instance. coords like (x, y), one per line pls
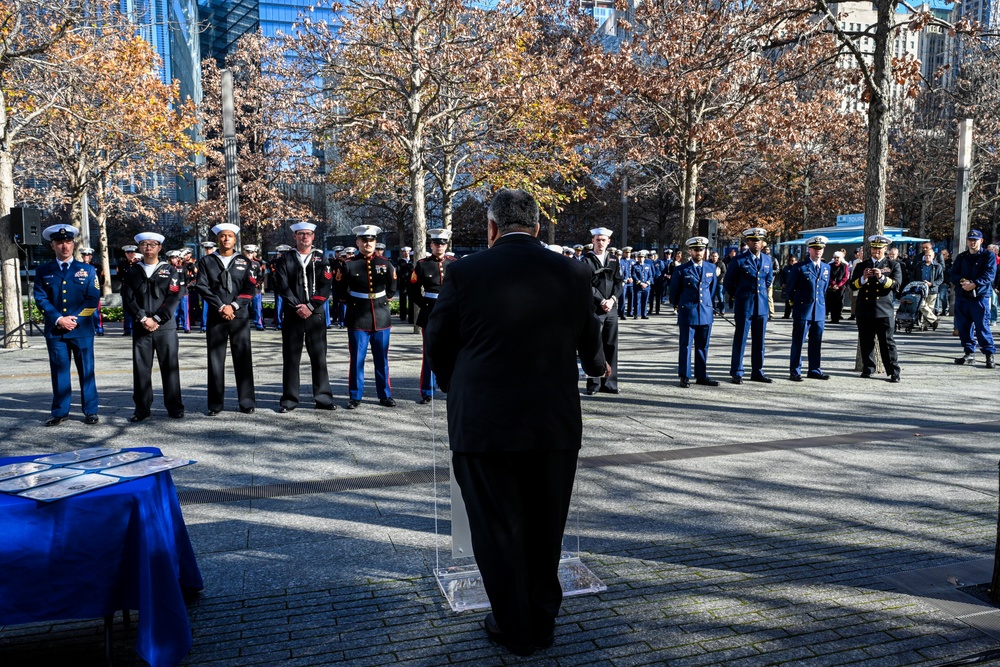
(878, 123)
(104, 253)
(922, 227)
(11, 262)
(415, 165)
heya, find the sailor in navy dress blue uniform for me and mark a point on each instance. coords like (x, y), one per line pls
(973, 274)
(67, 292)
(367, 283)
(131, 257)
(748, 280)
(606, 283)
(805, 289)
(426, 278)
(875, 280)
(642, 283)
(692, 285)
(150, 293)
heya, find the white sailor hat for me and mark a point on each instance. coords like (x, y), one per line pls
(380, 246)
(696, 242)
(149, 236)
(643, 252)
(817, 241)
(367, 231)
(351, 250)
(86, 251)
(317, 251)
(406, 248)
(838, 254)
(284, 247)
(226, 227)
(567, 250)
(303, 227)
(588, 246)
(338, 248)
(554, 248)
(208, 244)
(754, 233)
(879, 241)
(439, 234)
(600, 231)
(60, 233)
(250, 247)
(129, 248)
(173, 253)
(186, 252)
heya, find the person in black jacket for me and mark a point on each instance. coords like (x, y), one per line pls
(150, 294)
(926, 270)
(516, 309)
(874, 280)
(302, 281)
(607, 286)
(227, 282)
(424, 284)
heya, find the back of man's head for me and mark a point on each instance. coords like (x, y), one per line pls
(514, 211)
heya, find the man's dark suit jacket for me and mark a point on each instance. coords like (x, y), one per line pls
(503, 340)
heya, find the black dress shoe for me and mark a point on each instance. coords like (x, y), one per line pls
(497, 637)
(795, 377)
(761, 378)
(685, 383)
(177, 415)
(968, 359)
(894, 377)
(283, 410)
(138, 418)
(424, 400)
(54, 421)
(352, 404)
(867, 373)
(817, 375)
(326, 406)
(736, 379)
(387, 402)
(248, 411)
(990, 361)
(707, 382)
(213, 413)
(91, 419)
(607, 390)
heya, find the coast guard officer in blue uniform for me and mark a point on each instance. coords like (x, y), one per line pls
(67, 293)
(973, 274)
(627, 305)
(642, 275)
(806, 288)
(692, 285)
(748, 280)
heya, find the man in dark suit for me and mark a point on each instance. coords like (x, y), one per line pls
(748, 280)
(516, 308)
(806, 289)
(875, 279)
(67, 293)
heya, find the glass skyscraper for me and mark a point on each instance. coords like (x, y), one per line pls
(225, 21)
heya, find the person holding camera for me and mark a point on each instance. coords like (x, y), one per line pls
(874, 280)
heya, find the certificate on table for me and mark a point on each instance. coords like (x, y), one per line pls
(38, 479)
(18, 469)
(68, 487)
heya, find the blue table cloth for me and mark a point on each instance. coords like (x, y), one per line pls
(120, 547)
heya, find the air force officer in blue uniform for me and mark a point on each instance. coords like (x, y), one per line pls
(67, 293)
(692, 285)
(748, 279)
(806, 290)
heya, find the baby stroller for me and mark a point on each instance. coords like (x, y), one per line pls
(908, 314)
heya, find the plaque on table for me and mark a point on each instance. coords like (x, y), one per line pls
(37, 479)
(68, 487)
(12, 470)
(149, 466)
(119, 459)
(76, 456)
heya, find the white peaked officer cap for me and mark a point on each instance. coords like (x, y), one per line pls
(251, 247)
(186, 252)
(149, 236)
(627, 248)
(351, 250)
(755, 233)
(173, 253)
(696, 242)
(226, 227)
(129, 248)
(643, 252)
(600, 231)
(380, 246)
(449, 254)
(86, 251)
(208, 244)
(578, 246)
(337, 248)
(879, 241)
(283, 247)
(303, 227)
(60, 233)
(366, 231)
(555, 248)
(439, 234)
(817, 241)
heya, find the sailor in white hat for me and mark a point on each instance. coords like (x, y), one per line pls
(151, 290)
(303, 279)
(607, 283)
(806, 288)
(873, 282)
(67, 293)
(227, 282)
(748, 279)
(367, 283)
(692, 285)
(425, 285)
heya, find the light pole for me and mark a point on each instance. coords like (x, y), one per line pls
(962, 184)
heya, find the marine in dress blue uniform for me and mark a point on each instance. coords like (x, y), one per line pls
(748, 280)
(805, 289)
(426, 278)
(973, 274)
(181, 314)
(692, 285)
(367, 283)
(642, 283)
(67, 292)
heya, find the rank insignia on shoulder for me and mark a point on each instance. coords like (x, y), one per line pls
(413, 277)
(175, 288)
(327, 275)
